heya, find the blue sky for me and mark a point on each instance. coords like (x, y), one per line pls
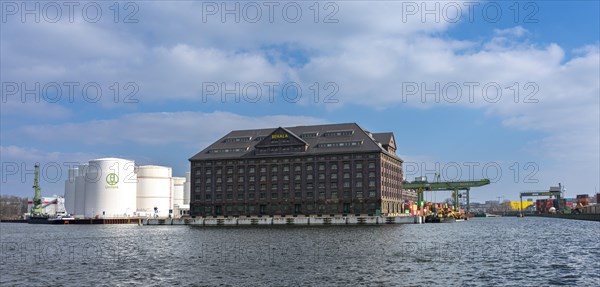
(367, 60)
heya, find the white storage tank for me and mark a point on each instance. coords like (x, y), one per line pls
(70, 191)
(110, 188)
(154, 190)
(80, 191)
(187, 188)
(178, 183)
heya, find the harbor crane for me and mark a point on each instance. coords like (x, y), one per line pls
(421, 184)
(37, 208)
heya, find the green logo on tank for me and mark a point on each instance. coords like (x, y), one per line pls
(112, 179)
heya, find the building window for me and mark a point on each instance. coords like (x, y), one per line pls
(309, 177)
(346, 175)
(297, 177)
(219, 188)
(238, 139)
(346, 184)
(286, 168)
(334, 185)
(219, 171)
(297, 168)
(346, 166)
(309, 167)
(334, 176)
(241, 179)
(263, 178)
(241, 171)
(322, 194)
(309, 194)
(274, 195)
(274, 168)
(229, 188)
(338, 133)
(297, 194)
(263, 169)
(251, 179)
(371, 174)
(359, 175)
(274, 178)
(371, 183)
(240, 196)
(339, 144)
(321, 167)
(371, 164)
(263, 187)
(229, 178)
(321, 176)
(359, 184)
(359, 165)
(372, 193)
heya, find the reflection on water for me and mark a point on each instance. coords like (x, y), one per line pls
(479, 252)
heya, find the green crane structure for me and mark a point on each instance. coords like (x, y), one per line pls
(37, 193)
(455, 186)
(556, 193)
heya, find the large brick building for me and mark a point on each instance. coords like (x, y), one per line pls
(322, 169)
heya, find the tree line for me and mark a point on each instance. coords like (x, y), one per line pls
(12, 207)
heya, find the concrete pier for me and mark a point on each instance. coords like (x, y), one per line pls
(280, 220)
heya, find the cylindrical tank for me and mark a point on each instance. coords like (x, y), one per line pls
(110, 188)
(70, 191)
(154, 190)
(80, 191)
(178, 183)
(187, 188)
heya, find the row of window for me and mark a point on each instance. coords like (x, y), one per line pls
(228, 150)
(276, 195)
(286, 177)
(286, 186)
(237, 139)
(339, 144)
(287, 159)
(286, 168)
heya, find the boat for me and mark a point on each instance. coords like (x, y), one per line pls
(434, 218)
(46, 219)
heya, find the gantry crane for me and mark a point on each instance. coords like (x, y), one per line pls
(423, 185)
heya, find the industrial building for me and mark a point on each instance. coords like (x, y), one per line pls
(320, 169)
(114, 187)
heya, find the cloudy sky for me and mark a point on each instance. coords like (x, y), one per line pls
(503, 90)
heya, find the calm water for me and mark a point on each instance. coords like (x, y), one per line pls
(479, 252)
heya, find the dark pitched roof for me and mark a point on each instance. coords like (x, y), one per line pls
(318, 139)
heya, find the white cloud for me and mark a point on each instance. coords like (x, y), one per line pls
(194, 129)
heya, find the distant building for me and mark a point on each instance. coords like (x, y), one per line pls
(321, 169)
